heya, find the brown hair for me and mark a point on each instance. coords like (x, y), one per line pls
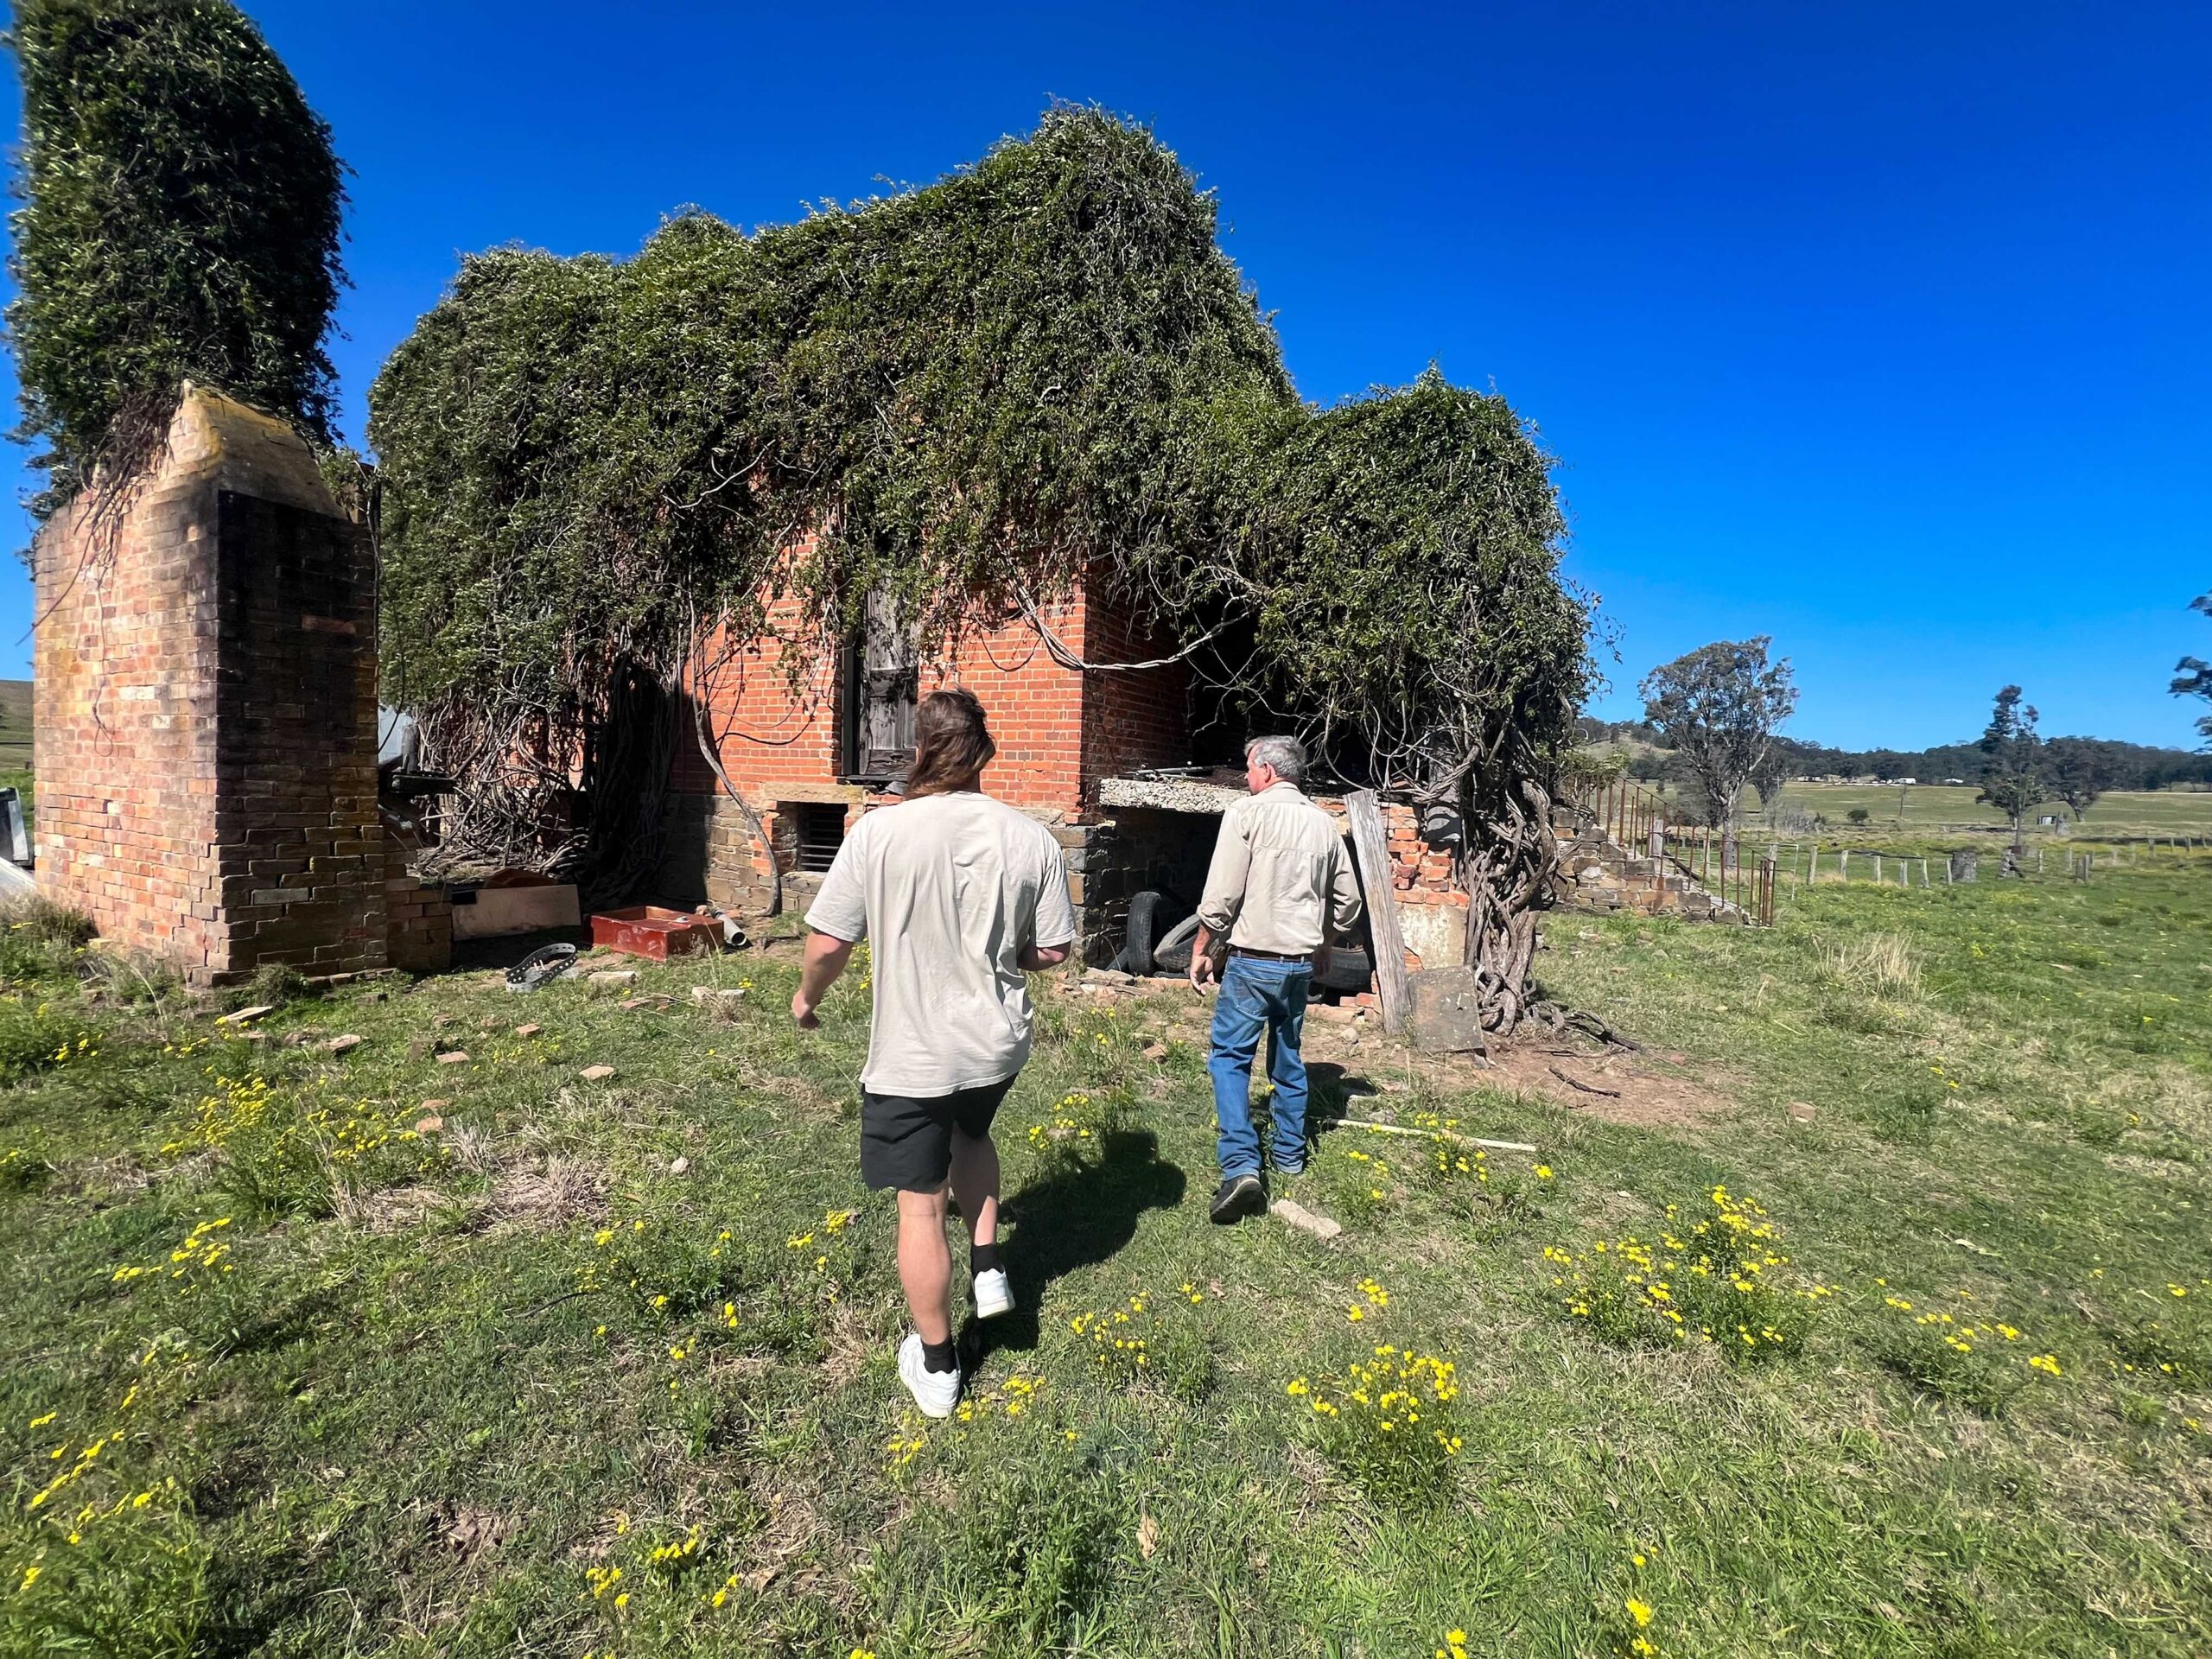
(951, 744)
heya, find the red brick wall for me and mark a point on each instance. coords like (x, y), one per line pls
(1058, 732)
(205, 710)
(124, 708)
(1132, 717)
(418, 912)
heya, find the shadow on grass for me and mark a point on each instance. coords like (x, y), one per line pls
(1331, 1092)
(1082, 1212)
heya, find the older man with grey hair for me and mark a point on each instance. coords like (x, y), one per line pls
(1279, 890)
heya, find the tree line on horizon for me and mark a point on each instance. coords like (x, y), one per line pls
(2128, 766)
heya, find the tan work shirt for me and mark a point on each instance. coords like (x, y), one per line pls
(1280, 878)
(948, 890)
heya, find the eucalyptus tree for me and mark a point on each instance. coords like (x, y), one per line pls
(2012, 767)
(1718, 707)
(2193, 676)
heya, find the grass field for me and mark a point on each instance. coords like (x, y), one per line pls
(1938, 807)
(370, 1353)
(14, 726)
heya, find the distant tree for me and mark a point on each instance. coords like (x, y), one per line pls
(1858, 815)
(2011, 773)
(1717, 707)
(2193, 676)
(2080, 769)
(180, 220)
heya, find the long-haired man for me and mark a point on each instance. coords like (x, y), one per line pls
(960, 898)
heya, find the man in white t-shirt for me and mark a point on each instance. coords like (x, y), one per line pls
(960, 897)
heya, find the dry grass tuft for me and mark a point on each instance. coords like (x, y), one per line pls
(558, 1192)
(1883, 963)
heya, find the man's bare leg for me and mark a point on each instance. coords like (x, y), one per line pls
(975, 1184)
(925, 1262)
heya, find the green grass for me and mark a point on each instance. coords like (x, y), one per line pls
(1933, 808)
(424, 1393)
(16, 730)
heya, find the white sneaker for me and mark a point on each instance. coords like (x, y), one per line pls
(936, 1392)
(994, 1296)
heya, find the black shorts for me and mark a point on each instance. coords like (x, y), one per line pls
(906, 1143)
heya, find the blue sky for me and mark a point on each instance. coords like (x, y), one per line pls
(1877, 328)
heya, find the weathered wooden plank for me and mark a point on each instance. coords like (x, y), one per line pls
(1365, 811)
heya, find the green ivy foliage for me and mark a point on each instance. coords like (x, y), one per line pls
(989, 380)
(1041, 371)
(180, 220)
(1404, 554)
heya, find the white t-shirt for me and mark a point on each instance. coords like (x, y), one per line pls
(949, 890)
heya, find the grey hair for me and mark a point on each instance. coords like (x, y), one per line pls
(1285, 754)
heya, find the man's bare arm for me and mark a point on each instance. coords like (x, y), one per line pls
(826, 957)
(1035, 958)
(1202, 957)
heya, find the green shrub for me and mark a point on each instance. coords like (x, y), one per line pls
(1968, 1356)
(1496, 1199)
(1390, 1422)
(2170, 1341)
(1021, 1564)
(39, 1038)
(1150, 1340)
(1721, 1281)
(281, 1150)
(273, 985)
(40, 941)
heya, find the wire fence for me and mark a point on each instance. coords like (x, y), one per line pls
(1725, 863)
(1804, 863)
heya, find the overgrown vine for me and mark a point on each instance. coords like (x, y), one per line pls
(1040, 372)
(178, 220)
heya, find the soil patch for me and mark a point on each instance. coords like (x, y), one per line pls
(1620, 1087)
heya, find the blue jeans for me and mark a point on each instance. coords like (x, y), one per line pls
(1258, 996)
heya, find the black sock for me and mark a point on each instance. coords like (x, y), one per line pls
(981, 1258)
(938, 1357)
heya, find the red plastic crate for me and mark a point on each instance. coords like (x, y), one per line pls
(650, 930)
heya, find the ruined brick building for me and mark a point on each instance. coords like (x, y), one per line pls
(1103, 755)
(206, 738)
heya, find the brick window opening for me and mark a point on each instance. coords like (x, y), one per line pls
(821, 827)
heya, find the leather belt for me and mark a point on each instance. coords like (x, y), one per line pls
(1269, 955)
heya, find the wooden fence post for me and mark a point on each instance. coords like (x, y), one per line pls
(1365, 812)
